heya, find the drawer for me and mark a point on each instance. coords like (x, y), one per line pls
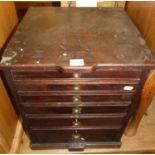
(36, 97)
(47, 109)
(48, 74)
(66, 136)
(116, 85)
(100, 121)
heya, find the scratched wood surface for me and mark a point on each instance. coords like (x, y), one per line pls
(109, 37)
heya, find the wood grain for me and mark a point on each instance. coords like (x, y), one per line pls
(17, 140)
(8, 18)
(146, 98)
(68, 3)
(142, 14)
(111, 4)
(8, 118)
(4, 147)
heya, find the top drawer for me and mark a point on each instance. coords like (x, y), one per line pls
(48, 74)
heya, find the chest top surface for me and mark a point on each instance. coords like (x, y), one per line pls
(53, 36)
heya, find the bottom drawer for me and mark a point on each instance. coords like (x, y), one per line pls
(66, 136)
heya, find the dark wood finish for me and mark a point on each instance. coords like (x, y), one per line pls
(76, 107)
(39, 74)
(69, 98)
(22, 7)
(70, 87)
(107, 38)
(101, 135)
(101, 121)
(68, 110)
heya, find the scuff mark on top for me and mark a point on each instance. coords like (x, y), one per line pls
(5, 59)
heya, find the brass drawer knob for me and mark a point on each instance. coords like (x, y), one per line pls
(76, 136)
(76, 98)
(76, 110)
(76, 123)
(76, 75)
(76, 87)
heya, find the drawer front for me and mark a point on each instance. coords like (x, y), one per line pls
(32, 109)
(75, 98)
(66, 136)
(47, 74)
(40, 90)
(115, 121)
(116, 86)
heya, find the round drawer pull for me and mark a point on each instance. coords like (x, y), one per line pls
(76, 75)
(76, 123)
(76, 98)
(76, 87)
(76, 110)
(76, 136)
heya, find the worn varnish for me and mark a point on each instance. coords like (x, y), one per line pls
(45, 34)
(81, 106)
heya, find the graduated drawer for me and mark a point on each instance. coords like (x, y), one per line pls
(49, 74)
(66, 136)
(82, 121)
(47, 97)
(51, 108)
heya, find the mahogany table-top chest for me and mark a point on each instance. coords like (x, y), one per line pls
(75, 75)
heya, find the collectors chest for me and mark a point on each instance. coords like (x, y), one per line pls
(75, 75)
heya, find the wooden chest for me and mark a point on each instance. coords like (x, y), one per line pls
(75, 75)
